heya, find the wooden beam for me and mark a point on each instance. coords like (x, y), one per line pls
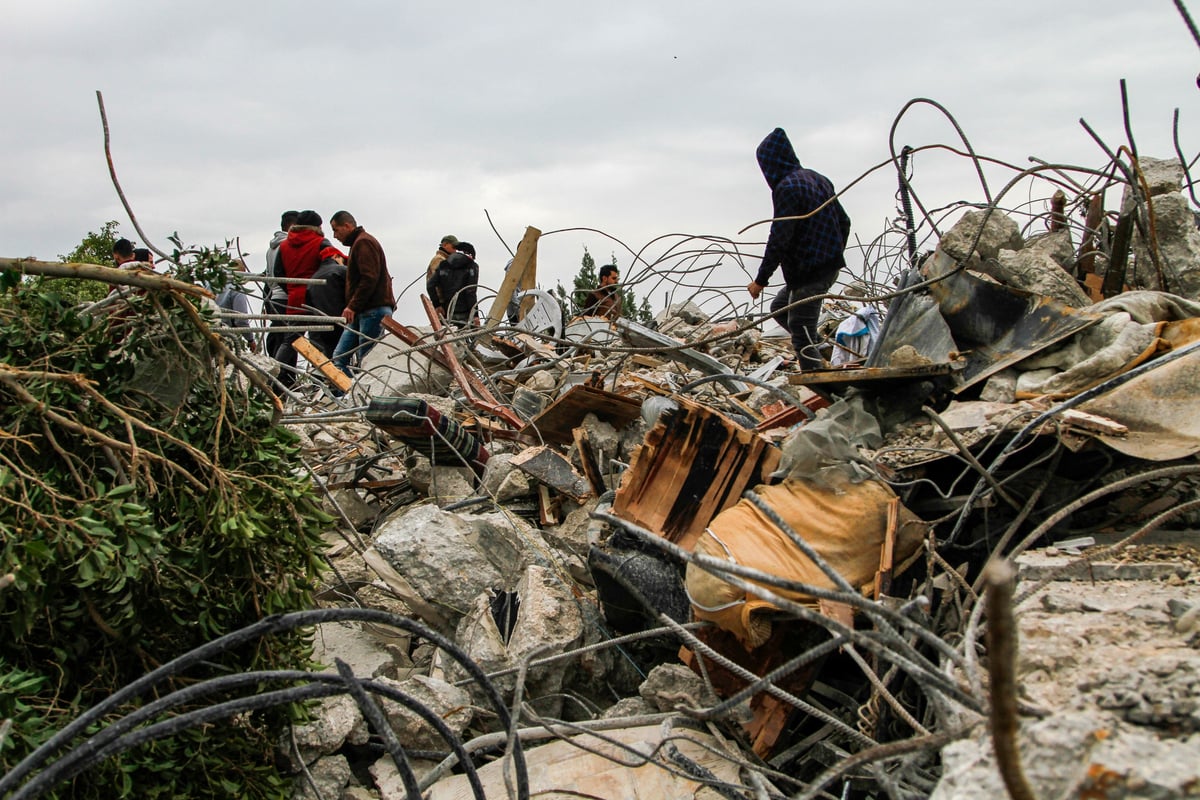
(526, 258)
(478, 395)
(315, 357)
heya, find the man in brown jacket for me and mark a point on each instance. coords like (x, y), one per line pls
(369, 295)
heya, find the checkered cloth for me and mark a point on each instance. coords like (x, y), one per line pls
(439, 438)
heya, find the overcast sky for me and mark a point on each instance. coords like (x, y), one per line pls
(636, 119)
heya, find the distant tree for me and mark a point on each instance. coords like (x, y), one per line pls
(587, 279)
(96, 248)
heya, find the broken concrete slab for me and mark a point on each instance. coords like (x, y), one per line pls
(334, 721)
(1037, 271)
(1000, 232)
(504, 483)
(605, 768)
(432, 549)
(452, 704)
(325, 778)
(548, 622)
(1035, 565)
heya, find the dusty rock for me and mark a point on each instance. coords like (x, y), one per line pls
(363, 651)
(509, 543)
(388, 780)
(1000, 233)
(907, 356)
(451, 704)
(433, 550)
(360, 512)
(572, 534)
(1162, 176)
(671, 686)
(1036, 271)
(498, 468)
(628, 707)
(689, 312)
(329, 776)
(1179, 246)
(1000, 388)
(334, 719)
(542, 381)
(548, 621)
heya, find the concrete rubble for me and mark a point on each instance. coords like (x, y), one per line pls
(531, 541)
(734, 579)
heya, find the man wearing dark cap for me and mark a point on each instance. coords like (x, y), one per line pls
(369, 295)
(446, 247)
(809, 251)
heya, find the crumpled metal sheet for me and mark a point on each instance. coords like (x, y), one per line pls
(994, 325)
(1159, 408)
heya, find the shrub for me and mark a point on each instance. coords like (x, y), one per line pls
(149, 503)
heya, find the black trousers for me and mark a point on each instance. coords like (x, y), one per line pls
(801, 321)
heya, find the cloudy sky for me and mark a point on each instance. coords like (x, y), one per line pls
(605, 125)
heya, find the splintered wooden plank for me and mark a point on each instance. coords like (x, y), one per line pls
(694, 464)
(591, 467)
(314, 356)
(524, 260)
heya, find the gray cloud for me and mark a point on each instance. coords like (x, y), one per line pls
(638, 119)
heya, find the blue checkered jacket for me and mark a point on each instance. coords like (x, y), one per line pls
(809, 249)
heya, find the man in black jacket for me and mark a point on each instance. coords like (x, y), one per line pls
(809, 250)
(454, 286)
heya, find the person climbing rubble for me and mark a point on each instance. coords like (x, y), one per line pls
(369, 295)
(454, 284)
(299, 257)
(605, 300)
(809, 250)
(446, 248)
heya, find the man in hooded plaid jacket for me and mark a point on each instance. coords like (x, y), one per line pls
(809, 251)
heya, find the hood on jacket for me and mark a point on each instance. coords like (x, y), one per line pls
(776, 157)
(458, 260)
(303, 235)
(277, 239)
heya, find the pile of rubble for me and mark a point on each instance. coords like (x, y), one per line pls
(691, 572)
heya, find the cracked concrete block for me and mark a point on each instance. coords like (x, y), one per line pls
(1000, 233)
(432, 549)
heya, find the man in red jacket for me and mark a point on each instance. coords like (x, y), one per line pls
(369, 295)
(299, 256)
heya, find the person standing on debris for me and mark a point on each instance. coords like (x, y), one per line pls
(606, 300)
(369, 295)
(445, 249)
(329, 298)
(299, 257)
(275, 294)
(233, 298)
(122, 252)
(809, 251)
(454, 286)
